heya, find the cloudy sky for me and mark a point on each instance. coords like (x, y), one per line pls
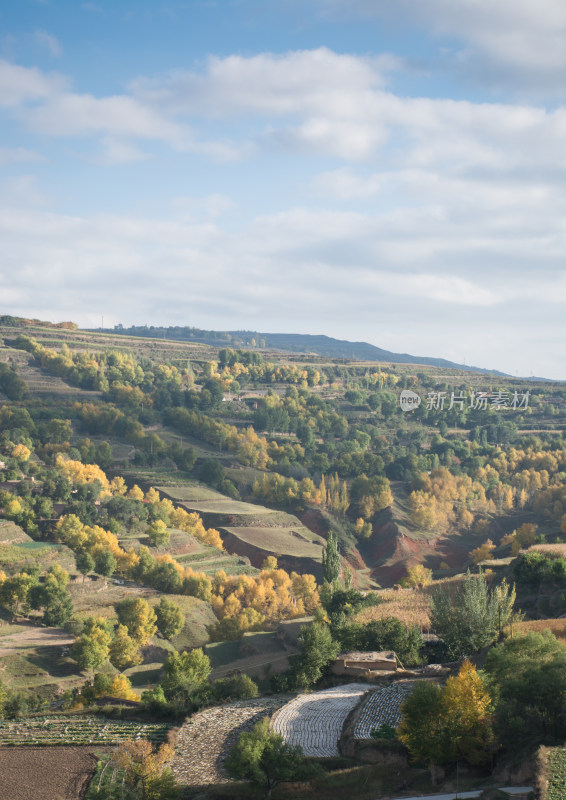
(377, 171)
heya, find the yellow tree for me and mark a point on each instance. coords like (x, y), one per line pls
(467, 710)
(143, 765)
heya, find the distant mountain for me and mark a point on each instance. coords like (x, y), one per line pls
(295, 343)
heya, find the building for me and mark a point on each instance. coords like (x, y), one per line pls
(358, 663)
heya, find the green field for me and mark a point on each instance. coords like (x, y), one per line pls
(557, 774)
(76, 730)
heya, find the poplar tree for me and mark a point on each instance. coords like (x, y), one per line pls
(331, 559)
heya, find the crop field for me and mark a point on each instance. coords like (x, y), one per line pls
(555, 626)
(61, 730)
(53, 773)
(557, 774)
(296, 541)
(382, 707)
(411, 606)
(314, 720)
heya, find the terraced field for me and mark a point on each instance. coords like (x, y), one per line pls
(17, 550)
(203, 742)
(296, 541)
(314, 720)
(382, 707)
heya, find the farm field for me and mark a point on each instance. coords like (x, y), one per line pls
(555, 626)
(76, 730)
(17, 550)
(203, 742)
(61, 773)
(557, 774)
(314, 720)
(382, 707)
(298, 541)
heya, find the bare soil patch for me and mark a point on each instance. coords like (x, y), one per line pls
(53, 773)
(32, 637)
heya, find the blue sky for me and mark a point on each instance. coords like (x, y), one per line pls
(387, 172)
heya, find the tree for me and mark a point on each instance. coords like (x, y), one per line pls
(439, 726)
(331, 559)
(92, 647)
(185, 673)
(144, 768)
(472, 618)
(14, 592)
(467, 707)
(418, 575)
(170, 618)
(105, 564)
(318, 649)
(104, 455)
(124, 652)
(158, 534)
(421, 729)
(53, 596)
(84, 563)
(527, 675)
(138, 617)
(263, 758)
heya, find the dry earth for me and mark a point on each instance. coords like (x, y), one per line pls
(32, 637)
(39, 773)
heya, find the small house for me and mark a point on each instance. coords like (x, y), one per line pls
(358, 663)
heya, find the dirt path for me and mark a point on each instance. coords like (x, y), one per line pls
(31, 637)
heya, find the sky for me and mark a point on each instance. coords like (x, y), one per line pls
(374, 171)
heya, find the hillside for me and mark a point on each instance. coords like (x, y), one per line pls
(325, 346)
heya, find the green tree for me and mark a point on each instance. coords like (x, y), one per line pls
(105, 563)
(158, 534)
(421, 728)
(138, 617)
(84, 563)
(170, 618)
(331, 559)
(104, 455)
(124, 652)
(263, 758)
(527, 675)
(14, 592)
(92, 647)
(318, 649)
(185, 673)
(472, 618)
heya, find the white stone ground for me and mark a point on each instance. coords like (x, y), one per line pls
(382, 707)
(314, 720)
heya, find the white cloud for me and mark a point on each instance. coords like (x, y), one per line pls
(513, 42)
(14, 155)
(19, 85)
(50, 42)
(316, 102)
(355, 275)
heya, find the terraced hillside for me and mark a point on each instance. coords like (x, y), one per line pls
(249, 530)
